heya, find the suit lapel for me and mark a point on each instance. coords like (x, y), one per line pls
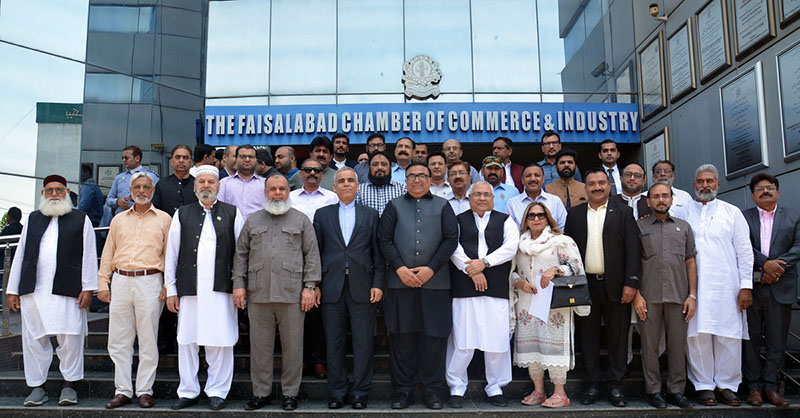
(359, 219)
(337, 226)
(775, 223)
(754, 222)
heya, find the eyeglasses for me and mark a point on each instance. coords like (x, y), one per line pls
(420, 177)
(142, 187)
(487, 195)
(458, 173)
(550, 143)
(126, 158)
(762, 188)
(54, 191)
(309, 170)
(451, 148)
(531, 216)
(634, 175)
(246, 157)
(663, 171)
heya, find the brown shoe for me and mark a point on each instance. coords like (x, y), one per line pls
(146, 401)
(754, 398)
(118, 401)
(727, 397)
(776, 399)
(706, 397)
(320, 372)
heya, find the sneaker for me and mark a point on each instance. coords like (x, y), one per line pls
(68, 397)
(36, 398)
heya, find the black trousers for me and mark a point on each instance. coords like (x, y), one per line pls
(768, 324)
(617, 318)
(416, 355)
(314, 338)
(362, 323)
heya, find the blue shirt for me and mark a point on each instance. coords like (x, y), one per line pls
(398, 174)
(551, 173)
(347, 219)
(291, 173)
(90, 201)
(122, 188)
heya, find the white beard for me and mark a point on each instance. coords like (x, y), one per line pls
(55, 208)
(207, 197)
(141, 201)
(277, 207)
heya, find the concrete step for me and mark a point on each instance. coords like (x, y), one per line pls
(94, 407)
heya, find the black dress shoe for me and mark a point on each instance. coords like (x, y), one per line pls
(432, 400)
(591, 394)
(657, 400)
(359, 402)
(617, 398)
(183, 403)
(455, 401)
(335, 403)
(401, 400)
(498, 400)
(289, 403)
(215, 403)
(678, 400)
(258, 402)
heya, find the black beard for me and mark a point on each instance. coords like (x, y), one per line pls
(561, 174)
(380, 180)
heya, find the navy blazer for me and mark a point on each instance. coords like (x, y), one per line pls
(362, 255)
(784, 245)
(620, 245)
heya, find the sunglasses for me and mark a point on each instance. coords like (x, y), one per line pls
(531, 216)
(309, 170)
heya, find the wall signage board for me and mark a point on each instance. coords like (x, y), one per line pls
(713, 44)
(789, 99)
(423, 122)
(788, 11)
(656, 149)
(680, 52)
(744, 127)
(652, 76)
(753, 24)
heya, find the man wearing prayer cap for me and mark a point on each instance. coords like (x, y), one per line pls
(52, 279)
(197, 275)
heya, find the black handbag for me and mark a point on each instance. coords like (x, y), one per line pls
(570, 291)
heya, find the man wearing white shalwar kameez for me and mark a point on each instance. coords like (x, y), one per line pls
(201, 294)
(488, 241)
(724, 283)
(53, 290)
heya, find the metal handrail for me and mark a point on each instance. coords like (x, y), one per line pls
(8, 242)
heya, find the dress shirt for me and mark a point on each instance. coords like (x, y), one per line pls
(90, 201)
(339, 164)
(516, 207)
(458, 205)
(135, 242)
(172, 193)
(616, 179)
(633, 202)
(595, 219)
(551, 172)
(502, 193)
(246, 195)
(441, 191)
(347, 219)
(398, 174)
(767, 219)
(509, 180)
(680, 199)
(665, 248)
(377, 197)
(308, 203)
(504, 254)
(122, 188)
(328, 177)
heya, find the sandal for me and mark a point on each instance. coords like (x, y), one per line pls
(556, 401)
(535, 398)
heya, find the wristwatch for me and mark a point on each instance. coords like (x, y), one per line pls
(311, 287)
(485, 263)
(692, 296)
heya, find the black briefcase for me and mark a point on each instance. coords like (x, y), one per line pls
(569, 292)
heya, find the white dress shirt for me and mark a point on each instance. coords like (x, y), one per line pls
(308, 203)
(516, 207)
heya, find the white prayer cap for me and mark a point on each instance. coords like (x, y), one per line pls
(207, 169)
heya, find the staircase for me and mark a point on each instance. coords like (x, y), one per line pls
(98, 387)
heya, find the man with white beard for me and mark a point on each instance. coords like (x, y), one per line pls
(276, 269)
(202, 240)
(52, 280)
(724, 291)
(134, 254)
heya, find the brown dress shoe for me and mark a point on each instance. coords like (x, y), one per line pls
(754, 398)
(320, 372)
(776, 399)
(146, 401)
(118, 401)
(727, 397)
(706, 397)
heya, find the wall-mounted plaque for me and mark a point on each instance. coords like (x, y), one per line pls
(753, 24)
(788, 11)
(656, 148)
(713, 45)
(744, 127)
(623, 84)
(154, 168)
(789, 99)
(680, 53)
(652, 84)
(106, 174)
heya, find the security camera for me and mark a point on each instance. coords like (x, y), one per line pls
(654, 9)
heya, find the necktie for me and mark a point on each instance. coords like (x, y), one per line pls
(611, 180)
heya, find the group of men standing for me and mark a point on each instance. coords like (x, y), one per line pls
(433, 241)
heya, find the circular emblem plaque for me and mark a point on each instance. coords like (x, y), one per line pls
(421, 76)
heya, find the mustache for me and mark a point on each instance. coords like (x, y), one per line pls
(597, 190)
(766, 194)
(402, 153)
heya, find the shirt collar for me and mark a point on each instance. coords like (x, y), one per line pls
(350, 205)
(135, 170)
(204, 208)
(762, 212)
(603, 206)
(425, 196)
(152, 208)
(253, 177)
(304, 191)
(485, 216)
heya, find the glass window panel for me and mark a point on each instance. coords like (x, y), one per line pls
(503, 98)
(238, 48)
(441, 30)
(303, 58)
(56, 26)
(370, 46)
(447, 98)
(239, 101)
(122, 19)
(301, 100)
(552, 98)
(143, 90)
(505, 46)
(593, 14)
(147, 20)
(575, 37)
(371, 98)
(107, 88)
(551, 46)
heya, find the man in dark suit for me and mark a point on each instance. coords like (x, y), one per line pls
(341, 146)
(608, 239)
(353, 278)
(632, 184)
(775, 236)
(502, 148)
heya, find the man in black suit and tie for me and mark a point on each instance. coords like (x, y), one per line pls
(608, 239)
(353, 278)
(775, 236)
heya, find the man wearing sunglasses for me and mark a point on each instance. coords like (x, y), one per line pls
(322, 151)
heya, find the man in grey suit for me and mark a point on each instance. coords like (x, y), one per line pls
(276, 269)
(775, 236)
(353, 273)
